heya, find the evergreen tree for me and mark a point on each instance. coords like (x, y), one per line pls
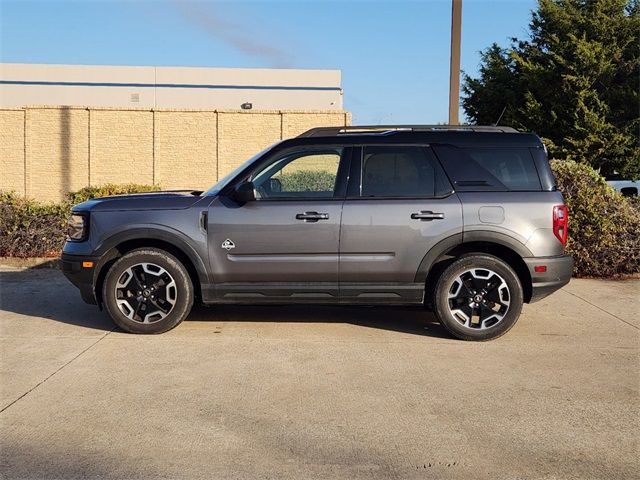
(575, 82)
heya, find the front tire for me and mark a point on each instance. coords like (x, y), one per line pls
(147, 291)
(478, 297)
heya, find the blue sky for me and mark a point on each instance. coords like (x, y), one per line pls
(394, 55)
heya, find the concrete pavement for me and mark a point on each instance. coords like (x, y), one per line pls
(318, 392)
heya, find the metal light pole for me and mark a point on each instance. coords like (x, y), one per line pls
(454, 74)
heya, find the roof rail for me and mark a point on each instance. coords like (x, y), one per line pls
(388, 129)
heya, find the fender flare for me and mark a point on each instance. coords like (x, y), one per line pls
(449, 243)
(170, 236)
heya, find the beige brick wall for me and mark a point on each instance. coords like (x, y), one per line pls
(185, 149)
(121, 147)
(66, 148)
(293, 123)
(242, 135)
(12, 150)
(314, 163)
(57, 151)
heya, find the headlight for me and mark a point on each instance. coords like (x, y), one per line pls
(77, 227)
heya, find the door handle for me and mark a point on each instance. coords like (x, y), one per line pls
(312, 216)
(427, 215)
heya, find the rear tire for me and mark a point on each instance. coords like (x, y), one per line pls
(147, 291)
(478, 297)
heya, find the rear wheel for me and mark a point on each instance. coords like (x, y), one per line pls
(147, 291)
(478, 297)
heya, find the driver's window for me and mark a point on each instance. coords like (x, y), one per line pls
(310, 174)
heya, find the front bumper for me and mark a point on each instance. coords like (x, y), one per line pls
(557, 275)
(81, 277)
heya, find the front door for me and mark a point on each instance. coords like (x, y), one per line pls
(284, 245)
(400, 204)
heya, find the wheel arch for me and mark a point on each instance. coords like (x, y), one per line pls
(446, 251)
(118, 245)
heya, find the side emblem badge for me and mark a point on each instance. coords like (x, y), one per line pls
(228, 245)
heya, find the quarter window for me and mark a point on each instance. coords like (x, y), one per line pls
(512, 166)
(489, 169)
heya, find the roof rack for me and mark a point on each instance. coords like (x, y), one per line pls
(389, 129)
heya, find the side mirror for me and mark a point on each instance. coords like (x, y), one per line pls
(244, 192)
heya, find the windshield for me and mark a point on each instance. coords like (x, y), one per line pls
(215, 190)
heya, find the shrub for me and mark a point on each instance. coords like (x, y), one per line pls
(307, 180)
(108, 190)
(29, 228)
(604, 226)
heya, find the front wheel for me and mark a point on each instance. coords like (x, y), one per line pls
(147, 291)
(478, 297)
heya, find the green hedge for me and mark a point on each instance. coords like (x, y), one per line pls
(35, 229)
(107, 190)
(307, 181)
(31, 229)
(604, 226)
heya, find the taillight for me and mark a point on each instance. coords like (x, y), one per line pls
(561, 223)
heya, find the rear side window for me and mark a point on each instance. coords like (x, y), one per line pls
(489, 169)
(401, 171)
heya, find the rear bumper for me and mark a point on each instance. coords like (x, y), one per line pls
(557, 274)
(81, 277)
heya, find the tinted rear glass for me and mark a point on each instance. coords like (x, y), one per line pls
(489, 169)
(401, 171)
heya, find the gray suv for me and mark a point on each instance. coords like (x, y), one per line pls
(465, 221)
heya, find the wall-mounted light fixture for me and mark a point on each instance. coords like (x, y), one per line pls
(246, 106)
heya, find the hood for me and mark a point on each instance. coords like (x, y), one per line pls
(172, 200)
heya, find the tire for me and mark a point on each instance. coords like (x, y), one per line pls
(478, 297)
(147, 291)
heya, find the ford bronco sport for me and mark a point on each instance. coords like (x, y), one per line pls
(466, 221)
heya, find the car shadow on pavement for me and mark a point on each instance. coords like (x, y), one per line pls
(45, 293)
(33, 458)
(412, 320)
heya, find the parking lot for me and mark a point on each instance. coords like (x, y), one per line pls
(318, 392)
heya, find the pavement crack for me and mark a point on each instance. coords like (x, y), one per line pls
(601, 309)
(56, 371)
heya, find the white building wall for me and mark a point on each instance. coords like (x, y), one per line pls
(169, 87)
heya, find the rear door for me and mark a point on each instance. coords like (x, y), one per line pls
(399, 205)
(284, 245)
